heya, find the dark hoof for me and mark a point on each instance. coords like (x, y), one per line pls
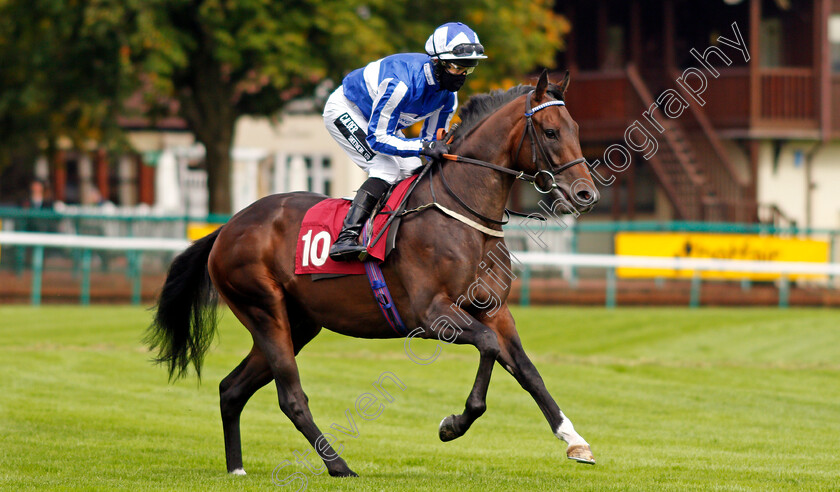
(343, 473)
(447, 430)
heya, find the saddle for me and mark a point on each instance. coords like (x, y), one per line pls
(322, 223)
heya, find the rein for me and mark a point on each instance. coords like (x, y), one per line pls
(531, 131)
(531, 178)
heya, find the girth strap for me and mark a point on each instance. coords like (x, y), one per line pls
(383, 297)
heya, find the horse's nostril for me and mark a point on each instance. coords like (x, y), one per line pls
(585, 196)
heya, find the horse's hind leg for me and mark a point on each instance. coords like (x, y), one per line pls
(516, 362)
(234, 391)
(271, 331)
(240, 385)
(250, 375)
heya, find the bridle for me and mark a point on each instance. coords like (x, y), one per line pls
(532, 178)
(531, 130)
(536, 143)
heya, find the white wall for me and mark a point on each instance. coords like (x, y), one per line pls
(143, 141)
(825, 197)
(271, 157)
(784, 183)
(300, 135)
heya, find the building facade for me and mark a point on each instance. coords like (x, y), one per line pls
(166, 173)
(723, 110)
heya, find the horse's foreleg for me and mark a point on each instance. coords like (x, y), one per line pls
(513, 358)
(455, 426)
(461, 328)
(234, 391)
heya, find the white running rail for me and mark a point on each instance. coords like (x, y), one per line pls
(521, 259)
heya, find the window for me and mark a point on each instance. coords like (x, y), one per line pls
(303, 173)
(771, 43)
(834, 41)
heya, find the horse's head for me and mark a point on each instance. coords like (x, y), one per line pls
(553, 153)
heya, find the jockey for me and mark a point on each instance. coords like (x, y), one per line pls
(367, 113)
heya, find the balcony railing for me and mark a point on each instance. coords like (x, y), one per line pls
(788, 95)
(787, 99)
(598, 101)
(728, 99)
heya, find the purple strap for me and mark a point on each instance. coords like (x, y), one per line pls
(383, 297)
(382, 294)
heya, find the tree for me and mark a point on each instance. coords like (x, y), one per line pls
(223, 59)
(63, 74)
(66, 65)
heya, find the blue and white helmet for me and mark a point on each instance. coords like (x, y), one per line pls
(455, 42)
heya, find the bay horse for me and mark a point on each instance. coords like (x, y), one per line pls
(250, 263)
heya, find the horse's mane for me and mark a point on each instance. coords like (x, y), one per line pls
(480, 106)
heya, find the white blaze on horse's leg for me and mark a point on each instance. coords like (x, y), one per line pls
(566, 432)
(238, 471)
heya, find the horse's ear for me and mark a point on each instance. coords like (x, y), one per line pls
(542, 85)
(564, 85)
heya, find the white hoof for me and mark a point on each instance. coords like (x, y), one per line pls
(238, 471)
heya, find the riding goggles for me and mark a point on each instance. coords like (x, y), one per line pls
(464, 54)
(468, 49)
(456, 69)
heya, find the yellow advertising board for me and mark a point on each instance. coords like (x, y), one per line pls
(717, 246)
(197, 230)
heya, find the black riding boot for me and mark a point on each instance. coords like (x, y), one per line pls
(346, 246)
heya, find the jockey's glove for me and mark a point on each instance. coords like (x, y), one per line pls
(434, 149)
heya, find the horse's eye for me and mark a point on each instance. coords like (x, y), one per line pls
(551, 134)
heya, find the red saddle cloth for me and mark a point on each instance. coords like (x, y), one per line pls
(321, 225)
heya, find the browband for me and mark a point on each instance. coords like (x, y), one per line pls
(545, 105)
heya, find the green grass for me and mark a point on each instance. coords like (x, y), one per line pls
(675, 399)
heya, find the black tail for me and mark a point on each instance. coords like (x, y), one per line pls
(185, 317)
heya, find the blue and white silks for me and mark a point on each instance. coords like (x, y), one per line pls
(394, 93)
